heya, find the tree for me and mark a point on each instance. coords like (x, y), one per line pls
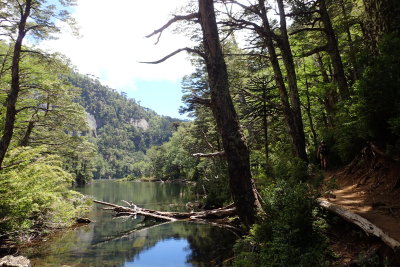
(310, 14)
(242, 186)
(26, 17)
(290, 100)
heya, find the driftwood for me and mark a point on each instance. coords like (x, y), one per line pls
(361, 222)
(217, 217)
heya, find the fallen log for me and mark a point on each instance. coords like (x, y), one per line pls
(361, 222)
(216, 217)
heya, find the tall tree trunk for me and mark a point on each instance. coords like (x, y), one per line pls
(382, 16)
(333, 51)
(352, 53)
(330, 98)
(308, 110)
(265, 126)
(240, 180)
(287, 56)
(25, 140)
(12, 96)
(290, 117)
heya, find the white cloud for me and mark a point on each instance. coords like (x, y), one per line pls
(113, 41)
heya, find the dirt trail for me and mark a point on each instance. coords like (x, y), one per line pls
(375, 202)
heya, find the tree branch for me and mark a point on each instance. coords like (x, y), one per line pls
(302, 13)
(33, 107)
(209, 155)
(187, 49)
(315, 50)
(176, 18)
(307, 29)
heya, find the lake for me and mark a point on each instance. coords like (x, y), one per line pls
(134, 241)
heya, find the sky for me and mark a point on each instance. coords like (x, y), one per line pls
(112, 43)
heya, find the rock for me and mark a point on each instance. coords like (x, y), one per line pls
(83, 220)
(12, 261)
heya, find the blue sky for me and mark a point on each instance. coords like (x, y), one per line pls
(163, 96)
(112, 44)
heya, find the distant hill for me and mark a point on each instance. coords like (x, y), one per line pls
(121, 129)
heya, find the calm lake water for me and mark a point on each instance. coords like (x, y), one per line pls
(128, 241)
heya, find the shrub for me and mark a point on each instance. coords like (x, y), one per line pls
(34, 192)
(289, 235)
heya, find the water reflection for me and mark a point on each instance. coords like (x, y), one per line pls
(118, 241)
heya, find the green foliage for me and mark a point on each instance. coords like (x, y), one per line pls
(34, 192)
(372, 114)
(285, 167)
(289, 235)
(48, 113)
(348, 138)
(379, 91)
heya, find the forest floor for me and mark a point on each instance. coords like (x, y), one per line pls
(369, 187)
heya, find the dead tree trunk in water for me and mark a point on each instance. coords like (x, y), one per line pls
(241, 182)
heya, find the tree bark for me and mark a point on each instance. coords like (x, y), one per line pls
(241, 182)
(12, 96)
(333, 51)
(300, 142)
(382, 16)
(25, 140)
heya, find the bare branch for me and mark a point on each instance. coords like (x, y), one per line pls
(315, 50)
(246, 55)
(206, 139)
(176, 18)
(209, 155)
(187, 49)
(307, 29)
(302, 13)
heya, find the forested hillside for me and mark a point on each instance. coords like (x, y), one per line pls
(121, 129)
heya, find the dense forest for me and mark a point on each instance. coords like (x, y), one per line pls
(272, 80)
